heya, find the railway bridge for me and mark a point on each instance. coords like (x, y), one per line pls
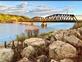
(56, 18)
(61, 18)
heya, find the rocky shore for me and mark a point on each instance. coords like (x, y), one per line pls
(56, 46)
(77, 25)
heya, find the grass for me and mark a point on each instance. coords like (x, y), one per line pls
(45, 35)
(7, 18)
(21, 37)
(24, 36)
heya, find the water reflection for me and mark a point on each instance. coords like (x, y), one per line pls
(44, 25)
(9, 31)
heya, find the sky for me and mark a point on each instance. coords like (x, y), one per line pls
(40, 8)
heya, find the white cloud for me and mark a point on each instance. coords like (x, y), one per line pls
(45, 11)
(22, 9)
(18, 9)
(3, 8)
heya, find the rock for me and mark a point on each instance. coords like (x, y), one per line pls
(61, 33)
(48, 42)
(35, 42)
(73, 40)
(42, 58)
(74, 32)
(52, 38)
(15, 43)
(24, 60)
(6, 55)
(66, 60)
(52, 60)
(59, 50)
(58, 35)
(28, 52)
(38, 43)
(80, 30)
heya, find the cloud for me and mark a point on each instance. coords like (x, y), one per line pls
(43, 11)
(22, 9)
(18, 9)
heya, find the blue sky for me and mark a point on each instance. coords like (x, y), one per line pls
(40, 8)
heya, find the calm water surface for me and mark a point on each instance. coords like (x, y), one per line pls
(9, 31)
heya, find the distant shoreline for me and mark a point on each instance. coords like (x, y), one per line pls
(24, 23)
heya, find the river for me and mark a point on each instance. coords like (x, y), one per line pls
(8, 32)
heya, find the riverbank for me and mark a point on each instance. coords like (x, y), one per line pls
(24, 23)
(58, 46)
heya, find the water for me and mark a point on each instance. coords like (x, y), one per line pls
(9, 31)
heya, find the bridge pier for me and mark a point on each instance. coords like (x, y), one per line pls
(44, 25)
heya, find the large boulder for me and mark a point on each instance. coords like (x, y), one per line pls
(6, 55)
(66, 60)
(59, 50)
(35, 42)
(38, 43)
(59, 34)
(73, 40)
(74, 32)
(28, 52)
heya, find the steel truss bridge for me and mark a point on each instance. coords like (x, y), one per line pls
(59, 18)
(62, 18)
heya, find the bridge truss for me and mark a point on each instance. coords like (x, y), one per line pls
(57, 18)
(61, 18)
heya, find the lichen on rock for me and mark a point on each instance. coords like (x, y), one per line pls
(28, 52)
(6, 55)
(60, 50)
